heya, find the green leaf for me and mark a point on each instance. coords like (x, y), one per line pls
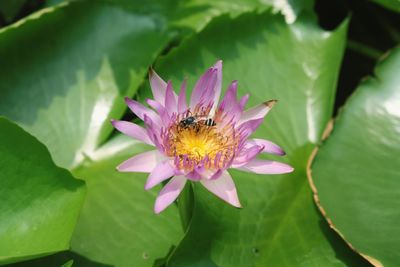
(117, 225)
(67, 73)
(40, 202)
(66, 77)
(57, 260)
(198, 13)
(393, 5)
(297, 64)
(194, 15)
(68, 263)
(356, 171)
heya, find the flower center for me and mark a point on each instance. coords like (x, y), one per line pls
(197, 140)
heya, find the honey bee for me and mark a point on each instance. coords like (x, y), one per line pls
(195, 121)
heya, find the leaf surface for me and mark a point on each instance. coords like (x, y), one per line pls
(40, 202)
(356, 171)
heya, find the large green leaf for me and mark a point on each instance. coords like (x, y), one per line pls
(194, 15)
(356, 171)
(390, 4)
(117, 225)
(68, 69)
(198, 13)
(297, 64)
(40, 202)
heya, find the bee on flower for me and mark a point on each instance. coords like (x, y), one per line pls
(200, 140)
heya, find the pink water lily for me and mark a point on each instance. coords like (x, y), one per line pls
(198, 141)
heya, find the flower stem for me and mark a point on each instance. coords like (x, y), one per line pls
(185, 205)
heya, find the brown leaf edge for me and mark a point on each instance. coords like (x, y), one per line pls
(328, 130)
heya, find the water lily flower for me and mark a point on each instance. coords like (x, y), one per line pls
(200, 140)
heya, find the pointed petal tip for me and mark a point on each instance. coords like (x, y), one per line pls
(270, 103)
(147, 186)
(127, 100)
(157, 210)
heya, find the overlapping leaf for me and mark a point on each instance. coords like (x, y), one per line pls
(390, 4)
(40, 202)
(65, 78)
(356, 171)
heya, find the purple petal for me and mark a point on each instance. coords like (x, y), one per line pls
(158, 86)
(132, 130)
(246, 155)
(230, 96)
(144, 162)
(153, 133)
(161, 172)
(182, 106)
(268, 146)
(208, 87)
(218, 86)
(257, 112)
(211, 175)
(224, 188)
(170, 99)
(248, 127)
(266, 167)
(141, 110)
(160, 109)
(229, 104)
(193, 175)
(169, 193)
(243, 101)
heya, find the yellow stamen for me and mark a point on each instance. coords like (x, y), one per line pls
(199, 143)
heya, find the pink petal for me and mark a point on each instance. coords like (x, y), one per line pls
(248, 127)
(158, 86)
(153, 133)
(224, 188)
(208, 87)
(161, 172)
(246, 155)
(218, 86)
(144, 162)
(182, 106)
(132, 130)
(257, 112)
(268, 146)
(229, 104)
(169, 193)
(170, 99)
(165, 118)
(266, 167)
(211, 175)
(243, 101)
(141, 110)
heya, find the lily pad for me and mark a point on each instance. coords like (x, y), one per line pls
(63, 86)
(40, 202)
(356, 175)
